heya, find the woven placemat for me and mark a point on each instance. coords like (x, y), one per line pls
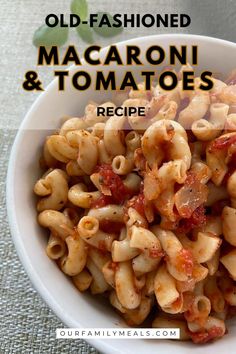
(27, 325)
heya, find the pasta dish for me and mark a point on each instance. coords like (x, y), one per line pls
(142, 209)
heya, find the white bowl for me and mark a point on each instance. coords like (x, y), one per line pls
(73, 308)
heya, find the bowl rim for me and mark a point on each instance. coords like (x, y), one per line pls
(100, 344)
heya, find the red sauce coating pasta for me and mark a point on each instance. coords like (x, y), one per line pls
(137, 202)
(222, 143)
(185, 261)
(206, 336)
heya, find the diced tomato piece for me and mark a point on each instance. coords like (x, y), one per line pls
(102, 201)
(197, 219)
(190, 196)
(114, 182)
(137, 202)
(184, 261)
(222, 143)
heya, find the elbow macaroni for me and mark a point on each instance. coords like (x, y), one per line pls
(144, 215)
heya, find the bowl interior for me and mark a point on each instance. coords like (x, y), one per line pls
(73, 308)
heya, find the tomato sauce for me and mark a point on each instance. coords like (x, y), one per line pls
(139, 160)
(102, 246)
(191, 178)
(110, 226)
(155, 253)
(111, 180)
(222, 143)
(197, 219)
(206, 336)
